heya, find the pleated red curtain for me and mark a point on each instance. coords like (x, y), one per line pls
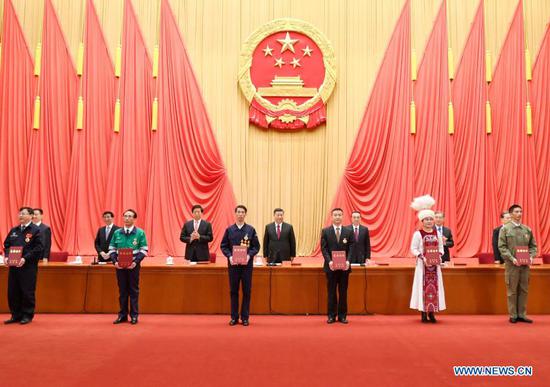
(89, 164)
(17, 92)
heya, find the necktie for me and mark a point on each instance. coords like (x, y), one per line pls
(22, 228)
(356, 233)
(338, 234)
(278, 231)
(196, 227)
(107, 231)
(127, 232)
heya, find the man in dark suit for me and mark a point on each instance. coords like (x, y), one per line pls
(359, 251)
(240, 234)
(22, 278)
(104, 236)
(504, 218)
(445, 234)
(196, 234)
(336, 238)
(45, 232)
(279, 239)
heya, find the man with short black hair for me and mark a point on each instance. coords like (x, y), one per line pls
(196, 234)
(360, 250)
(512, 236)
(132, 237)
(279, 239)
(45, 232)
(22, 278)
(240, 234)
(504, 218)
(104, 236)
(445, 234)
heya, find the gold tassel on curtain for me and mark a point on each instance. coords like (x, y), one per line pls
(413, 118)
(116, 123)
(36, 116)
(488, 67)
(38, 59)
(528, 73)
(80, 59)
(156, 61)
(451, 63)
(154, 116)
(413, 64)
(529, 117)
(80, 114)
(451, 115)
(488, 118)
(118, 60)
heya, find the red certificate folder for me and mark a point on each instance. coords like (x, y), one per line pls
(16, 253)
(125, 257)
(432, 256)
(339, 260)
(240, 255)
(522, 255)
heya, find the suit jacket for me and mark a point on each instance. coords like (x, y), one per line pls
(330, 244)
(198, 249)
(29, 239)
(446, 257)
(102, 241)
(360, 249)
(496, 251)
(46, 235)
(233, 237)
(279, 249)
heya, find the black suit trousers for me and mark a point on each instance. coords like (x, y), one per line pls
(337, 306)
(240, 274)
(128, 288)
(21, 290)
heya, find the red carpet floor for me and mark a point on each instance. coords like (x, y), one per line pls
(176, 350)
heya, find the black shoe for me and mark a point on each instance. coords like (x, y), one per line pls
(133, 321)
(232, 322)
(331, 320)
(431, 317)
(25, 320)
(12, 321)
(343, 320)
(513, 320)
(525, 320)
(120, 320)
(245, 323)
(424, 317)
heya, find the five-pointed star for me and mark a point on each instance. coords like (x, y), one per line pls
(288, 44)
(307, 51)
(296, 62)
(267, 50)
(279, 62)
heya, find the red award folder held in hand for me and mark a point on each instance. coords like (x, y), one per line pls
(432, 256)
(339, 260)
(125, 257)
(522, 255)
(16, 253)
(240, 255)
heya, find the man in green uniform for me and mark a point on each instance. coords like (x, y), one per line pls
(512, 235)
(132, 237)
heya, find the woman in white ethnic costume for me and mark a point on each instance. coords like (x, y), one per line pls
(428, 294)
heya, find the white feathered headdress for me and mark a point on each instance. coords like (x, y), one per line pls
(423, 204)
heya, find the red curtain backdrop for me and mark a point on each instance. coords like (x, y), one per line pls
(377, 180)
(476, 212)
(129, 159)
(186, 164)
(89, 163)
(50, 146)
(433, 146)
(540, 101)
(514, 151)
(17, 92)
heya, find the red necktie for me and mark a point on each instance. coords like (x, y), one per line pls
(356, 234)
(278, 231)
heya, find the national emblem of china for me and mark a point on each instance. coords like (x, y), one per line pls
(287, 74)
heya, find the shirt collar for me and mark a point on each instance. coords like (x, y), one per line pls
(131, 229)
(38, 224)
(26, 225)
(241, 226)
(515, 224)
(335, 227)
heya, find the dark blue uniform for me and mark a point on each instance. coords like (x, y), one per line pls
(233, 237)
(22, 280)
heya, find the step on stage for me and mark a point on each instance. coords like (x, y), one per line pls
(196, 289)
